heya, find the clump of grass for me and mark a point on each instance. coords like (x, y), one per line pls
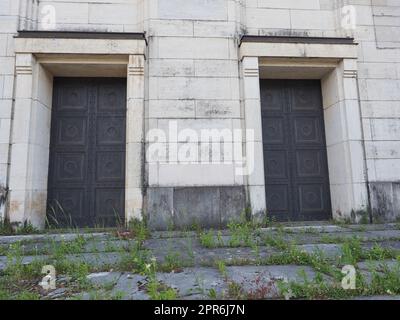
(290, 256)
(222, 268)
(235, 291)
(277, 241)
(78, 271)
(172, 262)
(377, 252)
(139, 229)
(134, 260)
(207, 239)
(386, 282)
(312, 290)
(16, 269)
(294, 256)
(135, 229)
(76, 246)
(329, 239)
(155, 289)
(9, 229)
(319, 288)
(19, 280)
(212, 294)
(342, 222)
(159, 291)
(352, 252)
(241, 232)
(189, 249)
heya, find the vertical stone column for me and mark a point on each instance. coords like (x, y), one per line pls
(253, 139)
(344, 141)
(30, 142)
(19, 183)
(26, 203)
(135, 152)
(354, 139)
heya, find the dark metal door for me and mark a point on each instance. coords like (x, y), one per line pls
(295, 158)
(86, 186)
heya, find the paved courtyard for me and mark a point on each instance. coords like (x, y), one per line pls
(243, 262)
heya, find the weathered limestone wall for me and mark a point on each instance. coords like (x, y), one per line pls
(193, 81)
(9, 20)
(377, 32)
(316, 18)
(379, 82)
(110, 16)
(94, 15)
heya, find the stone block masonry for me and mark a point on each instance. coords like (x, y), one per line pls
(192, 68)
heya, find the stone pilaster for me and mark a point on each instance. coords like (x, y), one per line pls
(344, 138)
(253, 139)
(135, 138)
(27, 202)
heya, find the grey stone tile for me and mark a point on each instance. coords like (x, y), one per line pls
(99, 260)
(34, 248)
(195, 282)
(266, 278)
(24, 260)
(385, 234)
(309, 229)
(329, 250)
(131, 287)
(104, 278)
(379, 265)
(372, 227)
(52, 237)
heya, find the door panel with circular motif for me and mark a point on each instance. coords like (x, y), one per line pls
(295, 158)
(86, 185)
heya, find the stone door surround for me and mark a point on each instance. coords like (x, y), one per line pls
(40, 56)
(334, 62)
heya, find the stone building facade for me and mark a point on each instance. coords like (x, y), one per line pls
(307, 92)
